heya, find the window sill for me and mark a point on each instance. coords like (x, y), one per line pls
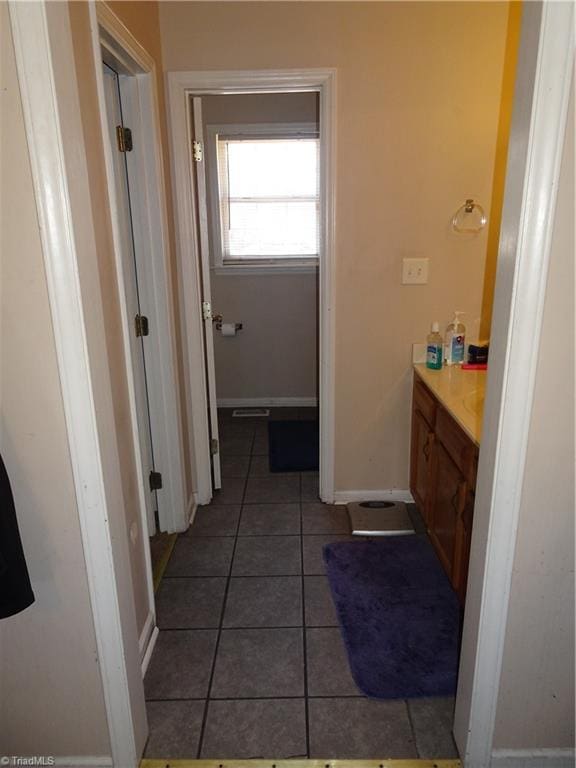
(281, 268)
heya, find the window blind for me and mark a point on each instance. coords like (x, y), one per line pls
(269, 197)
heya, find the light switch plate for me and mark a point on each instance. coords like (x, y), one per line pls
(414, 271)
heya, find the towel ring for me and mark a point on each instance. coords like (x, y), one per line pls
(469, 207)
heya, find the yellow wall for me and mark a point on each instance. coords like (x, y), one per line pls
(418, 105)
(507, 95)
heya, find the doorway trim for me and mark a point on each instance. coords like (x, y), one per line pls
(181, 87)
(151, 219)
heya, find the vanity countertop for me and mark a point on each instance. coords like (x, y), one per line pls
(460, 392)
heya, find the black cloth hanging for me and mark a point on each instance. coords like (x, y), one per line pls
(15, 588)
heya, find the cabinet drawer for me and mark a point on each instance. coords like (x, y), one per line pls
(455, 440)
(424, 401)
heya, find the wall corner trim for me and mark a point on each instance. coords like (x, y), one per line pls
(146, 635)
(149, 649)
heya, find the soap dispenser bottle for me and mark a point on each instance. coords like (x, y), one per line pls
(434, 348)
(454, 341)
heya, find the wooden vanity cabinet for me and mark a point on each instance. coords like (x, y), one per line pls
(423, 420)
(442, 481)
(465, 537)
(447, 505)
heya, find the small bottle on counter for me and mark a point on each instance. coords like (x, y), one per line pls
(455, 340)
(434, 348)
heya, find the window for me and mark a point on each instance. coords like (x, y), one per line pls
(268, 199)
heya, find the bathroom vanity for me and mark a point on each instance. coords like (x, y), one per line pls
(446, 429)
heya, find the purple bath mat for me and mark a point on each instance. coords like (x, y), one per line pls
(399, 616)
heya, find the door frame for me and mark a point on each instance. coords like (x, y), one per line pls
(151, 220)
(182, 86)
(47, 79)
(541, 95)
(121, 215)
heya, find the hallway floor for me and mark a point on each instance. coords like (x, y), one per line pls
(249, 662)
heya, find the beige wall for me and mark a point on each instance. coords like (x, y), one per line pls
(536, 699)
(260, 108)
(418, 100)
(275, 354)
(51, 700)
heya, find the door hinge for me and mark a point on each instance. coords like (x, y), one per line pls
(124, 138)
(213, 446)
(141, 325)
(206, 310)
(155, 479)
(197, 151)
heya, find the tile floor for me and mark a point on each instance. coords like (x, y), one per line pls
(249, 662)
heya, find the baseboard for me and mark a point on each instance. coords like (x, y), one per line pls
(84, 762)
(191, 510)
(149, 649)
(269, 402)
(388, 494)
(146, 636)
(532, 758)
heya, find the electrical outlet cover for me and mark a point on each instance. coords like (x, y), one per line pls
(414, 271)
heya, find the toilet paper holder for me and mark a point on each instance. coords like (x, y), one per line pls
(217, 319)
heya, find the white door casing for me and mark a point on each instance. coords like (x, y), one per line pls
(199, 166)
(181, 87)
(545, 66)
(133, 305)
(112, 42)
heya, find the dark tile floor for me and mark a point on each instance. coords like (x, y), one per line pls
(249, 662)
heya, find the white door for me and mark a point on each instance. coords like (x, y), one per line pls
(136, 314)
(207, 310)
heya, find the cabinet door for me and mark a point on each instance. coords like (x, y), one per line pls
(446, 511)
(420, 476)
(463, 540)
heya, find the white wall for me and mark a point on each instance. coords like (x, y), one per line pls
(51, 700)
(536, 699)
(275, 354)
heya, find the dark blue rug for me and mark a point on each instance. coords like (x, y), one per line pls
(294, 446)
(399, 616)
